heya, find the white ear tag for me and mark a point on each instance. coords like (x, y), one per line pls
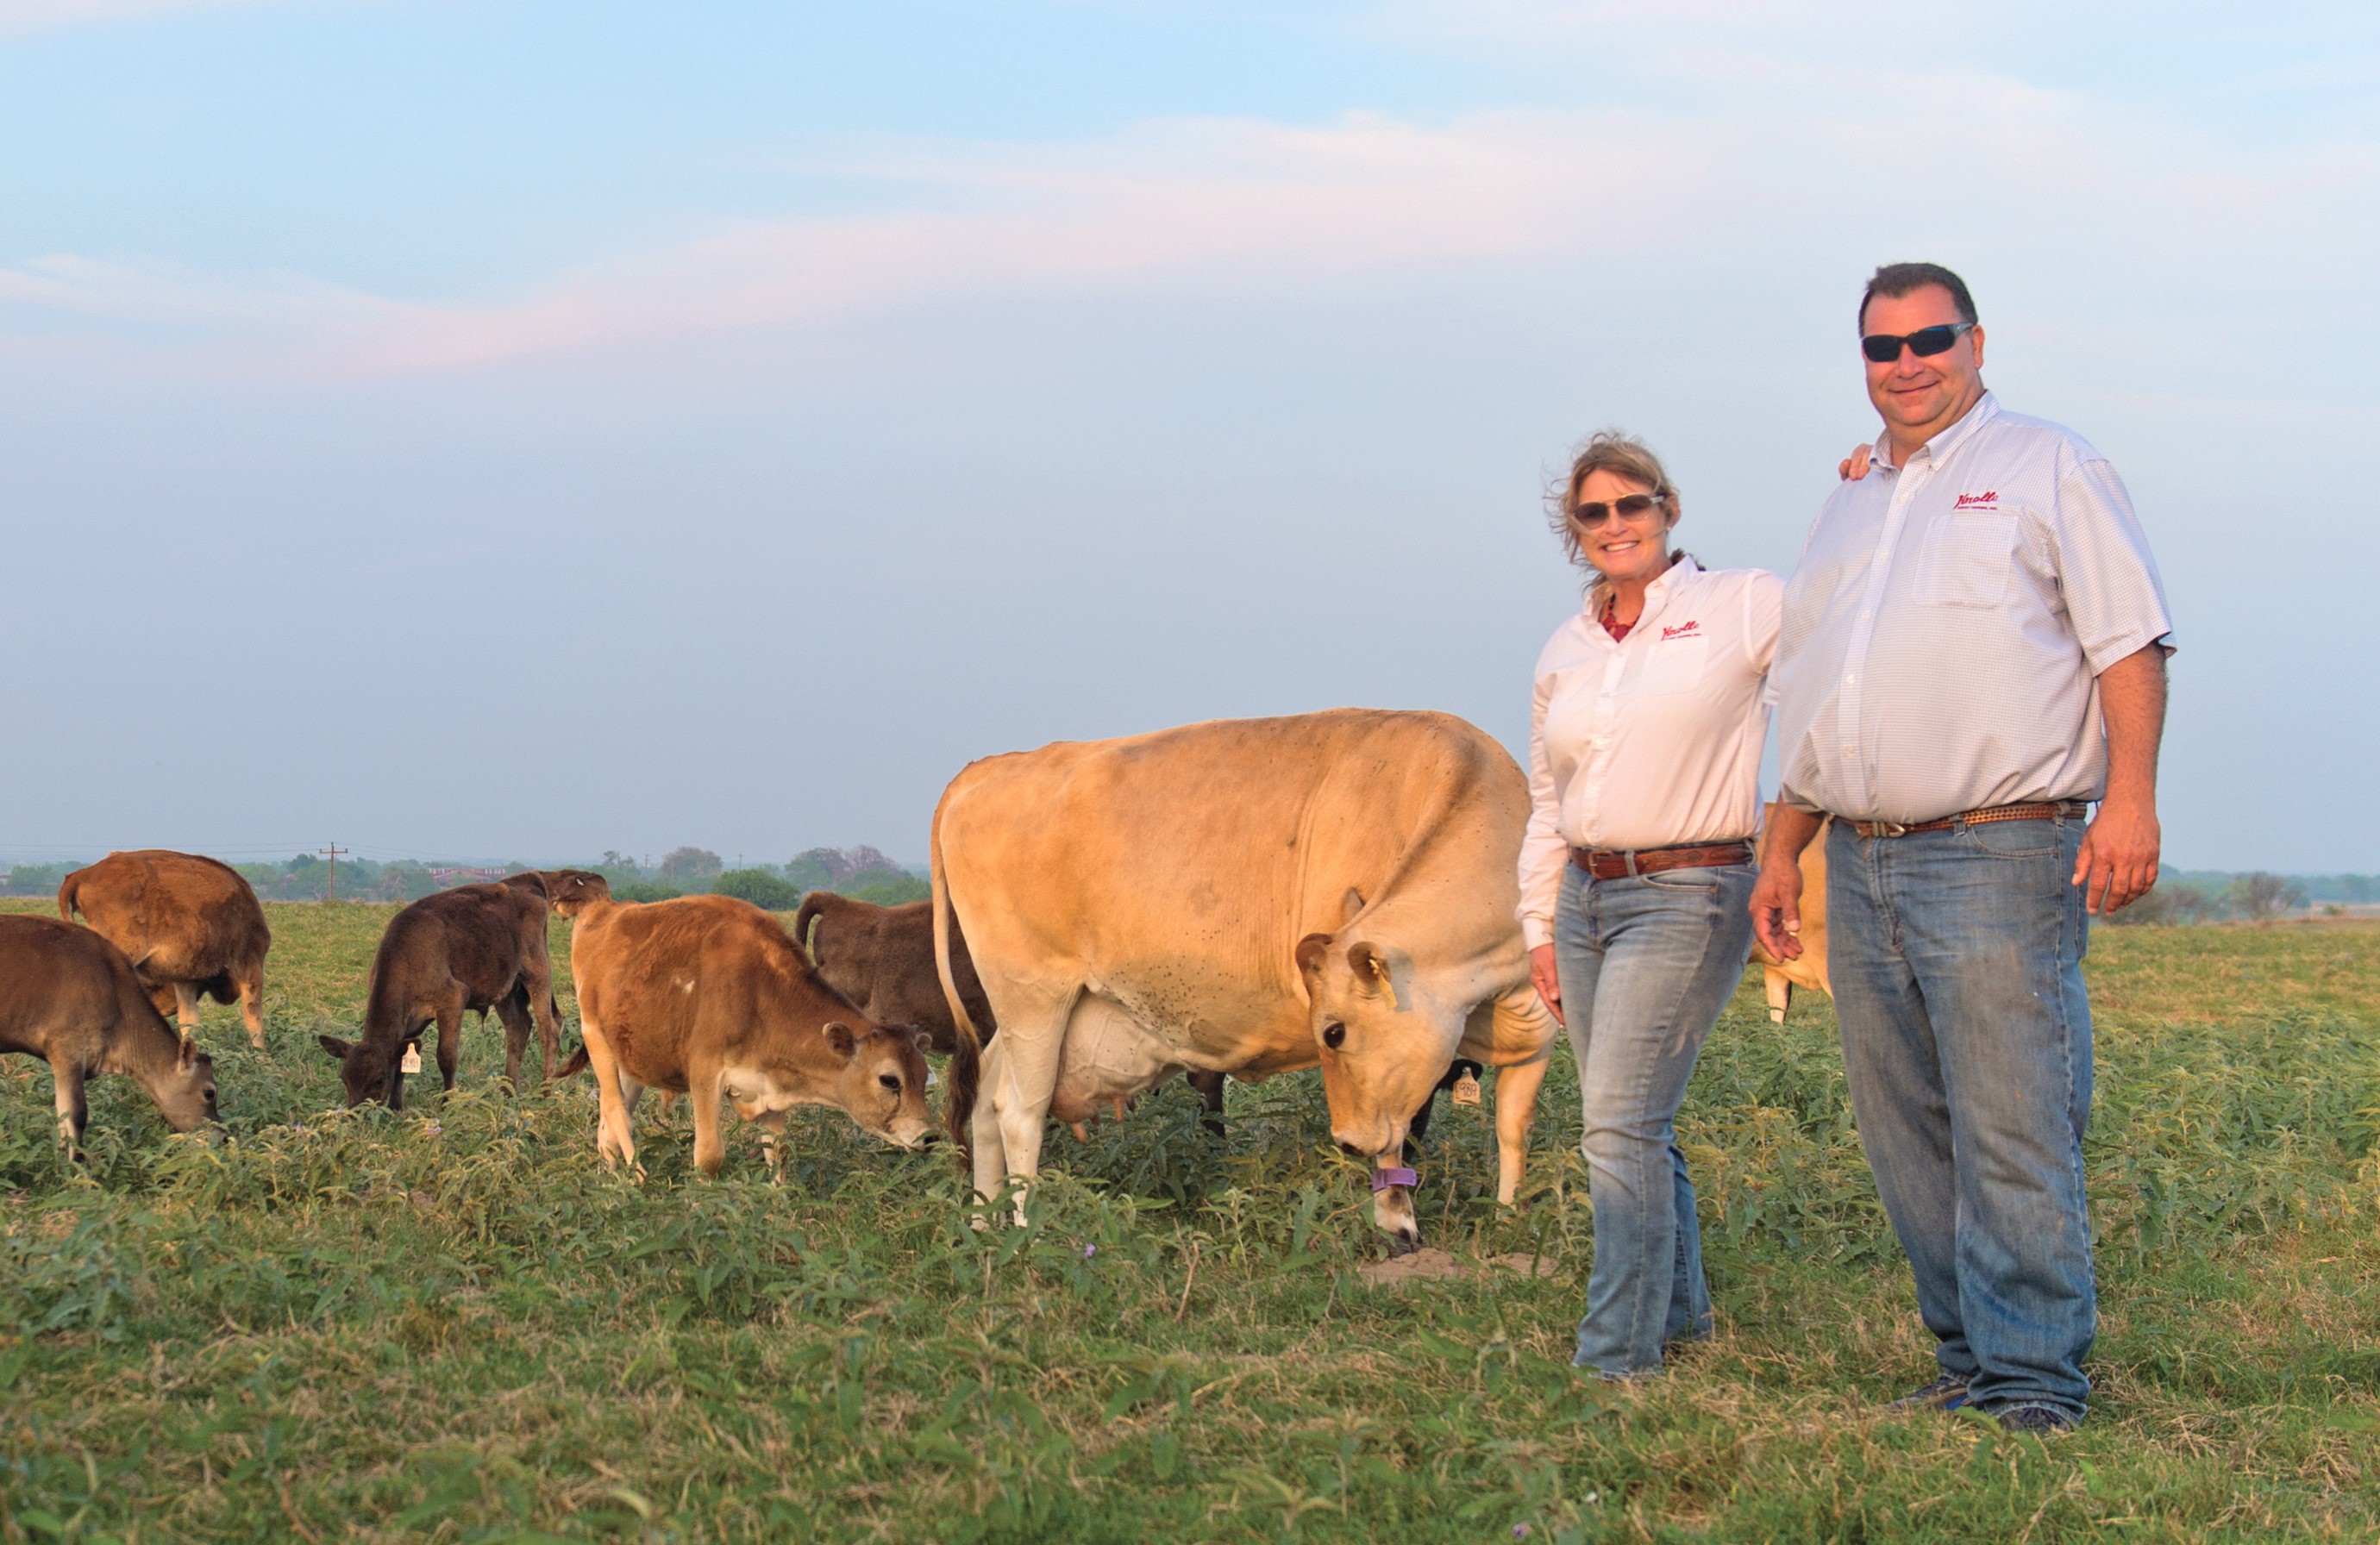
(412, 1064)
(1467, 1090)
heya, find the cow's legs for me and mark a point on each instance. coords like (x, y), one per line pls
(72, 1109)
(513, 1009)
(772, 1143)
(185, 1007)
(1516, 1108)
(703, 1091)
(612, 1139)
(1781, 993)
(450, 1036)
(1028, 1048)
(1210, 1089)
(537, 983)
(251, 1006)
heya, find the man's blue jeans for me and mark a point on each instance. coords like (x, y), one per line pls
(1956, 958)
(1646, 964)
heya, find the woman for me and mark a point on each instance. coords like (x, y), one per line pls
(1637, 873)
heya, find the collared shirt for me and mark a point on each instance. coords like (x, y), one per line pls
(1946, 628)
(1654, 740)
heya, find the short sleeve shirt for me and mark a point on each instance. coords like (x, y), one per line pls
(1946, 628)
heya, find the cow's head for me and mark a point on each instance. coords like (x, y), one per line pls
(572, 891)
(884, 1080)
(370, 1071)
(1383, 1034)
(185, 1093)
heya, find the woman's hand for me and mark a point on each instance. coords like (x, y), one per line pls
(1546, 980)
(1854, 468)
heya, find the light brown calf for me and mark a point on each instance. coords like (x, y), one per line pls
(190, 926)
(1782, 976)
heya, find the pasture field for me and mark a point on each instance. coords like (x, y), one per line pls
(452, 1323)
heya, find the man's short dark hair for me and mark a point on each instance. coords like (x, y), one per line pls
(1895, 279)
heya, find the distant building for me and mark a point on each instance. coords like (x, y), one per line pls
(446, 877)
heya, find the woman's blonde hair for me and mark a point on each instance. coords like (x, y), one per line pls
(1615, 451)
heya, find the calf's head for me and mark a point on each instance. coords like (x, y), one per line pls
(371, 1072)
(884, 1080)
(1384, 1037)
(185, 1093)
(572, 891)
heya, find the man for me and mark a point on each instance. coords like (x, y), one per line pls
(1973, 647)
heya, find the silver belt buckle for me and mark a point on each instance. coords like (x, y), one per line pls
(1892, 828)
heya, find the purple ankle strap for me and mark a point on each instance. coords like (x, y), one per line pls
(1383, 1178)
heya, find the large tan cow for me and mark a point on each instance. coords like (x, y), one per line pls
(1780, 977)
(70, 997)
(190, 926)
(710, 996)
(1248, 897)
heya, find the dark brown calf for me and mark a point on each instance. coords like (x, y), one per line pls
(474, 947)
(70, 997)
(191, 925)
(882, 958)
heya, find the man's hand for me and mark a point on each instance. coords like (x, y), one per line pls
(1777, 894)
(2118, 861)
(1546, 979)
(1854, 468)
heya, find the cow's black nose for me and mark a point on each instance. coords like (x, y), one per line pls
(1353, 1152)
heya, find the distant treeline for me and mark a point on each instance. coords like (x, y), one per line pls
(2204, 896)
(862, 872)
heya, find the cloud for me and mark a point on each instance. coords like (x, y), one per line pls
(1800, 158)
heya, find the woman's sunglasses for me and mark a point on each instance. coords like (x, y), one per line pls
(1927, 342)
(1627, 506)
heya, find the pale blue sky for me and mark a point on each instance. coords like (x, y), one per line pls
(525, 429)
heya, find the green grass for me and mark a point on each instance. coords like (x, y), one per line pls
(453, 1323)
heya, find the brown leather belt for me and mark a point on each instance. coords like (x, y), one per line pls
(2073, 810)
(1652, 861)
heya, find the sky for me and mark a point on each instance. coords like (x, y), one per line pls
(516, 430)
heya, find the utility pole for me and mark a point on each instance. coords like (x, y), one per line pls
(334, 850)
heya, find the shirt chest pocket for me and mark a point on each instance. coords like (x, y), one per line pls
(1669, 666)
(1966, 559)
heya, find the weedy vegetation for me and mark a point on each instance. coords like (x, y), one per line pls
(453, 1323)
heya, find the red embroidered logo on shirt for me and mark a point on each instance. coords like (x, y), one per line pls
(1978, 502)
(1683, 630)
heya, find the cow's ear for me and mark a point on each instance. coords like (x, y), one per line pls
(838, 1035)
(336, 1047)
(1310, 951)
(1371, 970)
(1355, 903)
(188, 1058)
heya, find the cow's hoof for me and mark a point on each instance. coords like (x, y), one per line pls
(1402, 1244)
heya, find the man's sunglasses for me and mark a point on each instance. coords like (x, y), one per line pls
(1927, 342)
(1629, 506)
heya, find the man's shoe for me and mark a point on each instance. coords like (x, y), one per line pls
(2042, 1421)
(1946, 1394)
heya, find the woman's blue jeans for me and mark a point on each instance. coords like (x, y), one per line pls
(1646, 964)
(1956, 958)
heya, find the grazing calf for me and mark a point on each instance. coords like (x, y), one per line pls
(882, 959)
(709, 995)
(190, 926)
(70, 997)
(474, 947)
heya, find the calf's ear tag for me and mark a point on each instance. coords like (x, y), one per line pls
(412, 1064)
(1467, 1090)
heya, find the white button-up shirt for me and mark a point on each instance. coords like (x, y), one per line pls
(1944, 631)
(1654, 740)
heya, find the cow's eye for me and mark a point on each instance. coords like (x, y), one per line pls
(889, 1081)
(1334, 1036)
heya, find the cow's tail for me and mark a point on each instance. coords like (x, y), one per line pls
(805, 919)
(576, 1063)
(67, 895)
(966, 1058)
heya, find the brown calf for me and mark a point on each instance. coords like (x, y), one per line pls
(474, 947)
(708, 995)
(1808, 969)
(882, 958)
(190, 926)
(70, 997)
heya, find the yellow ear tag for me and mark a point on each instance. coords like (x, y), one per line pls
(1466, 1091)
(412, 1063)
